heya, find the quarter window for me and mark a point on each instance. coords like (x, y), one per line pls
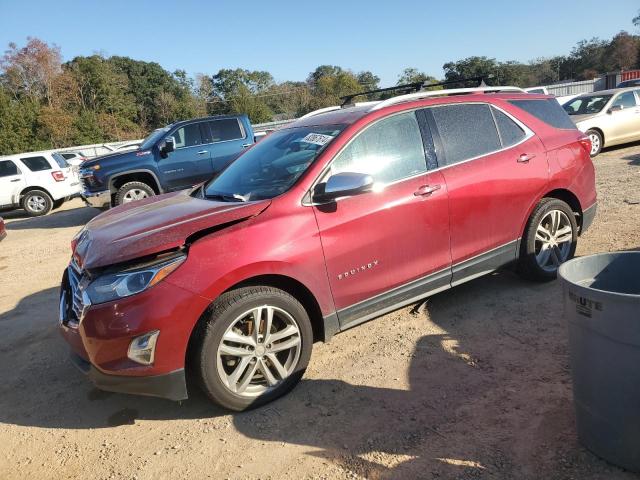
(187, 136)
(8, 168)
(223, 130)
(549, 111)
(510, 132)
(36, 164)
(466, 130)
(389, 150)
(625, 100)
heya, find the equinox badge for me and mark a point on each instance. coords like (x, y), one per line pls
(359, 269)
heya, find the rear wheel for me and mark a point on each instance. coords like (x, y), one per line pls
(549, 240)
(254, 347)
(596, 142)
(37, 203)
(132, 191)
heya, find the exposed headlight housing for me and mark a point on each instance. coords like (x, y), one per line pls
(120, 284)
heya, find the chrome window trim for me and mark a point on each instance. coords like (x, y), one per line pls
(242, 130)
(528, 134)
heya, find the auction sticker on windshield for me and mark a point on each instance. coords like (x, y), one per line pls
(317, 139)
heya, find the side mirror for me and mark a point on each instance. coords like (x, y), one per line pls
(168, 147)
(343, 184)
(615, 108)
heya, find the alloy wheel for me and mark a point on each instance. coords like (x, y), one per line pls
(595, 143)
(37, 203)
(554, 236)
(134, 194)
(259, 350)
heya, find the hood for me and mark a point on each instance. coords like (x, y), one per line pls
(152, 226)
(127, 155)
(581, 118)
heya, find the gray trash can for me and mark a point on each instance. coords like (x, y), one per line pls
(602, 306)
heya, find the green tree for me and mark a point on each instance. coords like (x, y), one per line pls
(487, 68)
(368, 80)
(413, 75)
(18, 124)
(622, 52)
(330, 82)
(240, 91)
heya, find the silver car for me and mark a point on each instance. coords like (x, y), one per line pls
(609, 117)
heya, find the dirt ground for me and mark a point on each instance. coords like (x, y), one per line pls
(473, 384)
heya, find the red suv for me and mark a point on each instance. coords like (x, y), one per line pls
(345, 215)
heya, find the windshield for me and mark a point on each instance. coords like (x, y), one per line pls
(154, 137)
(586, 105)
(272, 166)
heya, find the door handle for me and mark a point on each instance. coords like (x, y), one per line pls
(524, 158)
(202, 152)
(16, 180)
(247, 145)
(426, 190)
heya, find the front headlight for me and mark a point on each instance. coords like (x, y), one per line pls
(115, 285)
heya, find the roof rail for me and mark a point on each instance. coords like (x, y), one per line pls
(335, 107)
(415, 87)
(437, 93)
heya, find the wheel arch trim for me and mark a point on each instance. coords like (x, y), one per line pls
(158, 185)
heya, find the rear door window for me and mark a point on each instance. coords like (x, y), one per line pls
(36, 164)
(466, 130)
(224, 130)
(510, 132)
(8, 168)
(625, 100)
(547, 110)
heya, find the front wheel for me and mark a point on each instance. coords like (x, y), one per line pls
(253, 347)
(549, 240)
(596, 142)
(132, 191)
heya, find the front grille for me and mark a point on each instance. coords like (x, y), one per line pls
(75, 298)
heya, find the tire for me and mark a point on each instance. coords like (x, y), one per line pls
(37, 203)
(231, 316)
(132, 191)
(547, 242)
(57, 203)
(596, 142)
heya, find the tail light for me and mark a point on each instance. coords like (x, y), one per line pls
(585, 142)
(58, 176)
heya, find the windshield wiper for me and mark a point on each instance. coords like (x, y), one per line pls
(224, 197)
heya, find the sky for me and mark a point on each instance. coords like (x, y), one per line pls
(290, 38)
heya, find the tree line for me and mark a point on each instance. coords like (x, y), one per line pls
(47, 103)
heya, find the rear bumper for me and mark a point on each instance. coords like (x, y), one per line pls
(587, 217)
(172, 386)
(97, 199)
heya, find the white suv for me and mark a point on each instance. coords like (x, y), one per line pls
(37, 182)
